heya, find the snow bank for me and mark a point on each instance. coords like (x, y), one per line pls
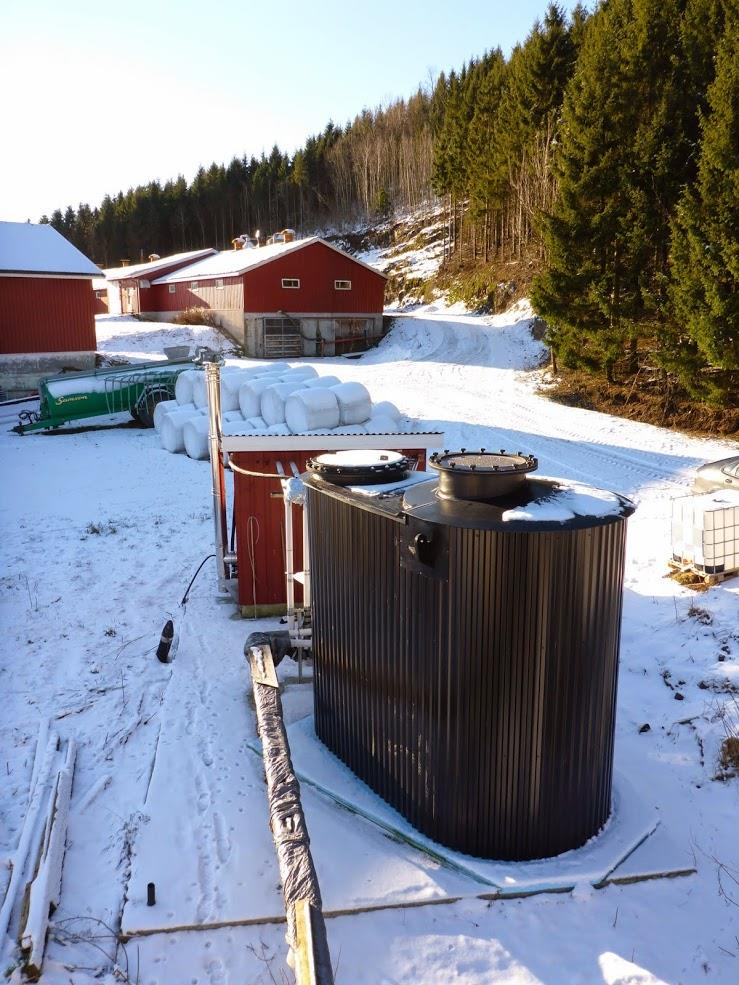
(355, 403)
(306, 410)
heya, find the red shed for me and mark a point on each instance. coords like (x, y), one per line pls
(133, 283)
(301, 298)
(47, 320)
(258, 507)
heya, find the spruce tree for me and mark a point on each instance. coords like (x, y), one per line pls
(705, 246)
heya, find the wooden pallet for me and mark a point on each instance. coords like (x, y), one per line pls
(703, 579)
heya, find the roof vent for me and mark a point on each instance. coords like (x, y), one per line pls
(481, 475)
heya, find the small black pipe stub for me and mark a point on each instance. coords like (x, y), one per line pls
(151, 894)
(165, 643)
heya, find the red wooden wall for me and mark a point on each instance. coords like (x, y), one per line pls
(46, 314)
(317, 267)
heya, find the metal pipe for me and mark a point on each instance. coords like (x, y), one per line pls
(212, 363)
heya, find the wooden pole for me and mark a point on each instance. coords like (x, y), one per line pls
(306, 930)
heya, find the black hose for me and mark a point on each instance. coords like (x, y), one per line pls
(184, 597)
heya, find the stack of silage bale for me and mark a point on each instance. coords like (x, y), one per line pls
(271, 398)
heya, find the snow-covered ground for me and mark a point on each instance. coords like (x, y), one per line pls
(102, 531)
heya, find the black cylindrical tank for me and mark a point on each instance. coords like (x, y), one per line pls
(466, 650)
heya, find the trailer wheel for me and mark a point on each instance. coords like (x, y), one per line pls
(143, 409)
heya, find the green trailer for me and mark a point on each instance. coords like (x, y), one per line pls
(135, 389)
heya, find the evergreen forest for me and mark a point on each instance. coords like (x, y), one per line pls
(602, 154)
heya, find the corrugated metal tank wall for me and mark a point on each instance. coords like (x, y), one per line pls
(480, 704)
(46, 314)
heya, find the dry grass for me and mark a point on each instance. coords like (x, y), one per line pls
(644, 399)
(196, 316)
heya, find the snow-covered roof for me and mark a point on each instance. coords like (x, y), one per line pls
(150, 269)
(26, 248)
(233, 263)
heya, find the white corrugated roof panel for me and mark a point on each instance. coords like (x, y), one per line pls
(151, 267)
(27, 248)
(233, 263)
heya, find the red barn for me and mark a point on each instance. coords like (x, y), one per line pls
(130, 285)
(47, 320)
(301, 298)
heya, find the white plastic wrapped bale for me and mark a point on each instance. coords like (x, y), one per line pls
(250, 395)
(162, 408)
(322, 381)
(258, 423)
(382, 424)
(184, 384)
(199, 391)
(239, 426)
(273, 402)
(278, 429)
(195, 437)
(173, 423)
(273, 367)
(350, 429)
(385, 409)
(231, 383)
(355, 404)
(307, 410)
(300, 373)
(319, 431)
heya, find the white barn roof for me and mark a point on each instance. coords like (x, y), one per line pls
(150, 269)
(29, 249)
(233, 263)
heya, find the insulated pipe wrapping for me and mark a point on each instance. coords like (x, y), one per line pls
(306, 410)
(355, 403)
(287, 822)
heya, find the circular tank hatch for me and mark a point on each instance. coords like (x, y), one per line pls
(360, 467)
(481, 475)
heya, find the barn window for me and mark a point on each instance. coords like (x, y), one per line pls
(172, 288)
(193, 285)
(292, 282)
(144, 283)
(343, 285)
(219, 283)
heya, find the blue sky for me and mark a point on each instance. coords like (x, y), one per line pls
(98, 97)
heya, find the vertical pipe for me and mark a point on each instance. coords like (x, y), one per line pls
(212, 366)
(306, 558)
